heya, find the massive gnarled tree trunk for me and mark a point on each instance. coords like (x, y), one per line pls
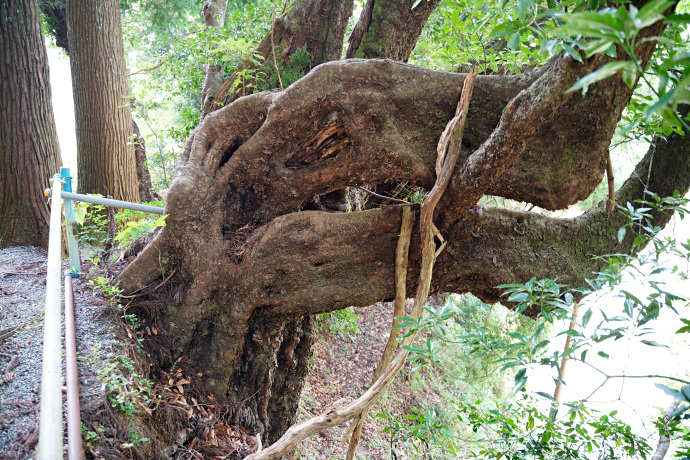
(105, 149)
(246, 269)
(29, 150)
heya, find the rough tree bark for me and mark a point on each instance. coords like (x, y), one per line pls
(29, 150)
(250, 267)
(55, 13)
(105, 151)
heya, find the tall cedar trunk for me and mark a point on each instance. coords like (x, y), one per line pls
(55, 14)
(105, 150)
(29, 150)
(244, 266)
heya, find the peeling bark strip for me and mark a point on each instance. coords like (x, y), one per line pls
(326, 144)
(354, 432)
(29, 150)
(611, 203)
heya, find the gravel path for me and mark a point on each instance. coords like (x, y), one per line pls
(22, 299)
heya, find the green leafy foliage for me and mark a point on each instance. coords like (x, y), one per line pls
(609, 29)
(521, 431)
(296, 67)
(498, 37)
(524, 427)
(545, 294)
(167, 92)
(441, 365)
(133, 229)
(92, 223)
(515, 36)
(420, 432)
(128, 391)
(342, 323)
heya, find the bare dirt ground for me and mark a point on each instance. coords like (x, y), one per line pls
(342, 370)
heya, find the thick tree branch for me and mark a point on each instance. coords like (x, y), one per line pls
(386, 117)
(486, 246)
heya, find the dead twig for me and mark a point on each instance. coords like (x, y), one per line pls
(149, 69)
(9, 332)
(22, 273)
(402, 250)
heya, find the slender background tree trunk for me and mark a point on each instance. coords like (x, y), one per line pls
(214, 16)
(56, 18)
(105, 149)
(143, 174)
(29, 149)
(389, 28)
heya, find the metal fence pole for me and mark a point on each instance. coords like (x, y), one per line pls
(50, 427)
(110, 202)
(74, 444)
(70, 220)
